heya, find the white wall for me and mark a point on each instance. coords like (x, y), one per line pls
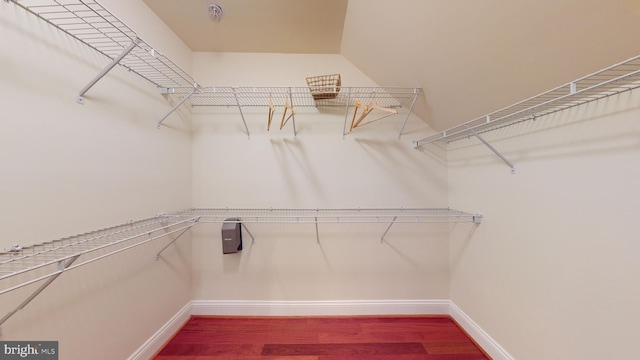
(552, 271)
(69, 169)
(370, 167)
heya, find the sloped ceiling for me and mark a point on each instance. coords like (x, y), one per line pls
(274, 26)
(470, 57)
(474, 57)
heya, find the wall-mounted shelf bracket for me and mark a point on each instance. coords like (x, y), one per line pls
(246, 128)
(114, 62)
(240, 221)
(62, 266)
(196, 87)
(293, 114)
(175, 239)
(416, 93)
(388, 228)
(346, 113)
(495, 151)
(253, 240)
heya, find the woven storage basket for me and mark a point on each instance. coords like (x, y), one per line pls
(324, 86)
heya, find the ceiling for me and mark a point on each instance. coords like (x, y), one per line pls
(274, 26)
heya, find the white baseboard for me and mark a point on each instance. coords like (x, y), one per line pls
(486, 342)
(320, 308)
(317, 308)
(151, 346)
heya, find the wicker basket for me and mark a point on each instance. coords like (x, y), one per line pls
(324, 86)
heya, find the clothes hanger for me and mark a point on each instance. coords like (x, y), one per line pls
(366, 110)
(287, 106)
(272, 110)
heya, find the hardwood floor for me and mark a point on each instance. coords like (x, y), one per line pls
(321, 338)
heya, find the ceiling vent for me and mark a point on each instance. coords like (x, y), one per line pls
(215, 12)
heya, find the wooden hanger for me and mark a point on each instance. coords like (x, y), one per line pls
(366, 110)
(272, 110)
(287, 106)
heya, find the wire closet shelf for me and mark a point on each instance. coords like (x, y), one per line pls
(90, 23)
(615, 79)
(52, 256)
(350, 216)
(297, 96)
(93, 25)
(43, 263)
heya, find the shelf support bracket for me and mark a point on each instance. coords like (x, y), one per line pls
(317, 233)
(388, 228)
(196, 87)
(416, 92)
(114, 62)
(195, 221)
(235, 95)
(346, 115)
(293, 116)
(509, 163)
(62, 266)
(253, 240)
(477, 219)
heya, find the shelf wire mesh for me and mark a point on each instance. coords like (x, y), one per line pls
(89, 22)
(356, 215)
(38, 256)
(49, 257)
(390, 97)
(93, 25)
(612, 80)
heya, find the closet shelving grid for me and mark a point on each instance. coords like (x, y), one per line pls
(349, 216)
(44, 262)
(615, 79)
(298, 97)
(388, 216)
(93, 25)
(96, 27)
(90, 23)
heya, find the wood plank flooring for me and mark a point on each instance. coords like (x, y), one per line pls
(321, 338)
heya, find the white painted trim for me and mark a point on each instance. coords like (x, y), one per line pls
(317, 308)
(486, 342)
(155, 342)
